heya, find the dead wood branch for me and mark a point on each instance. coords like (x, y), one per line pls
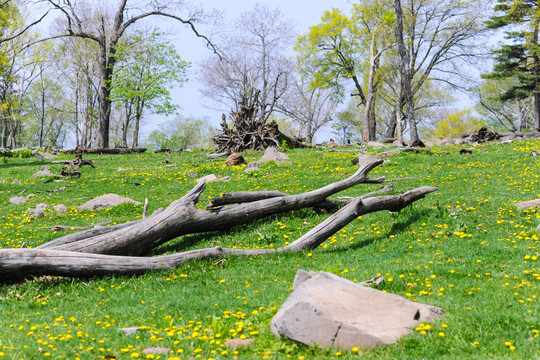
(26, 262)
(182, 217)
(72, 167)
(118, 249)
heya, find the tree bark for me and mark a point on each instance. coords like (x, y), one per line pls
(16, 263)
(405, 70)
(119, 249)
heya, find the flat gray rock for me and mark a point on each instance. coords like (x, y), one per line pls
(156, 350)
(252, 166)
(46, 156)
(44, 171)
(17, 200)
(38, 210)
(528, 204)
(271, 154)
(106, 201)
(130, 330)
(213, 177)
(330, 311)
(60, 208)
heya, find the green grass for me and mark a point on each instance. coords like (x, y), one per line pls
(465, 248)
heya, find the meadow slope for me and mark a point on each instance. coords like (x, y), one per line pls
(465, 248)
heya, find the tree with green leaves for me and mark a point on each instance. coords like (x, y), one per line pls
(514, 115)
(519, 59)
(349, 47)
(146, 69)
(18, 69)
(457, 123)
(182, 133)
(106, 25)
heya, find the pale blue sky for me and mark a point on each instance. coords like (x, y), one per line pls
(303, 12)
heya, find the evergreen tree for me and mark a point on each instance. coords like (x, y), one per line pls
(521, 57)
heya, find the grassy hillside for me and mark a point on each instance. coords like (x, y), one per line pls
(465, 248)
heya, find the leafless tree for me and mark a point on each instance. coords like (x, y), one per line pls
(441, 40)
(107, 31)
(404, 79)
(310, 107)
(253, 61)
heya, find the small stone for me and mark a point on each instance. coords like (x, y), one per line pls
(107, 201)
(130, 330)
(16, 182)
(212, 177)
(38, 211)
(207, 178)
(234, 343)
(235, 159)
(17, 200)
(156, 350)
(252, 166)
(60, 208)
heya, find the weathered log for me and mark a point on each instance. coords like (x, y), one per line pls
(112, 250)
(182, 217)
(32, 262)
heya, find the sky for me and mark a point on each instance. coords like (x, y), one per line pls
(304, 13)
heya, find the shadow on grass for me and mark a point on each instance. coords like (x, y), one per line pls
(414, 216)
(11, 162)
(209, 239)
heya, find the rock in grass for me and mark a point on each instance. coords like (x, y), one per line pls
(252, 166)
(234, 343)
(271, 154)
(130, 330)
(17, 200)
(106, 201)
(156, 350)
(528, 204)
(38, 210)
(60, 208)
(46, 156)
(213, 177)
(235, 159)
(330, 311)
(44, 171)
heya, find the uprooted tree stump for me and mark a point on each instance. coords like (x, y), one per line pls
(72, 167)
(122, 249)
(250, 130)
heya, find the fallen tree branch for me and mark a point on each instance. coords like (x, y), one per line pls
(15, 263)
(182, 217)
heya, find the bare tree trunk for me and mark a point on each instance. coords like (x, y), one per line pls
(105, 103)
(42, 116)
(138, 114)
(391, 128)
(405, 71)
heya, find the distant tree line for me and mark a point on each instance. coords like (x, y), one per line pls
(382, 69)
